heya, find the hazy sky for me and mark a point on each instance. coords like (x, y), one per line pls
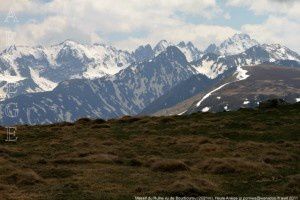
(129, 23)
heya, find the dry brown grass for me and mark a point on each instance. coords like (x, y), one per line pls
(186, 156)
(233, 165)
(23, 177)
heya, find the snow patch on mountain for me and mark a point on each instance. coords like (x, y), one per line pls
(226, 108)
(206, 109)
(43, 83)
(190, 51)
(241, 74)
(181, 113)
(210, 93)
(279, 52)
(210, 68)
(206, 68)
(9, 78)
(246, 102)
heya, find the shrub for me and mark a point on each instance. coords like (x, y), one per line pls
(128, 119)
(135, 162)
(83, 121)
(99, 121)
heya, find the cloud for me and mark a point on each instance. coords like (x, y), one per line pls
(282, 24)
(287, 8)
(130, 22)
(274, 30)
(201, 35)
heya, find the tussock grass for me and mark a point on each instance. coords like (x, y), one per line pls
(169, 166)
(242, 153)
(23, 178)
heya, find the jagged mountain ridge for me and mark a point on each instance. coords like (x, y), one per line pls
(38, 69)
(126, 93)
(217, 68)
(236, 44)
(213, 65)
(133, 88)
(146, 52)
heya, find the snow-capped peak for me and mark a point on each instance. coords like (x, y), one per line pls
(240, 36)
(236, 44)
(190, 51)
(279, 52)
(10, 49)
(161, 46)
(68, 42)
(37, 69)
(146, 52)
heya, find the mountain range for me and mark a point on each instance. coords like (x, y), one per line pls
(68, 81)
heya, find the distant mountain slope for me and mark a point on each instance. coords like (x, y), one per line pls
(285, 63)
(126, 93)
(36, 69)
(184, 90)
(240, 43)
(179, 93)
(212, 65)
(264, 82)
(216, 68)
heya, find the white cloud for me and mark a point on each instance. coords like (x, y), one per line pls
(128, 23)
(201, 35)
(276, 29)
(288, 8)
(282, 24)
(90, 20)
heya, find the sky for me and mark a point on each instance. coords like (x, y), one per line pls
(127, 24)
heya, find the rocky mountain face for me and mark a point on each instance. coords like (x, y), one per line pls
(146, 52)
(143, 53)
(196, 84)
(126, 93)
